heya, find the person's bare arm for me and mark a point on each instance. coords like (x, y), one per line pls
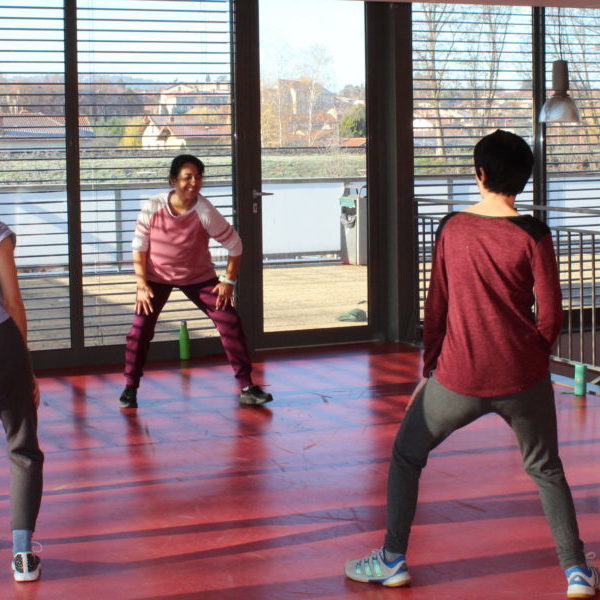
(9, 284)
(418, 389)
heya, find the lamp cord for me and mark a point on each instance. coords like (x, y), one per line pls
(560, 56)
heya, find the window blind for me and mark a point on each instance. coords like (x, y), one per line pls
(154, 82)
(573, 151)
(32, 162)
(472, 75)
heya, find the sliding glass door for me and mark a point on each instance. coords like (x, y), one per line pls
(314, 199)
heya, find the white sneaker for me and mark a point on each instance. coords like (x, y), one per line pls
(26, 566)
(375, 569)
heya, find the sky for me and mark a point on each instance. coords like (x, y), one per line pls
(190, 43)
(288, 29)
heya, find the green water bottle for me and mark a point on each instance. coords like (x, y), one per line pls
(580, 380)
(184, 341)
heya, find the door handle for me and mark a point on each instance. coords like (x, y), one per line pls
(256, 196)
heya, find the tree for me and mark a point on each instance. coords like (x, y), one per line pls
(315, 71)
(273, 114)
(354, 122)
(573, 36)
(293, 102)
(433, 45)
(132, 133)
(274, 95)
(486, 41)
(460, 58)
(110, 131)
(356, 92)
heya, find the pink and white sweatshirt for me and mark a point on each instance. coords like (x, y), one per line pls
(177, 245)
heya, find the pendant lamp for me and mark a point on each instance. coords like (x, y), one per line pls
(560, 108)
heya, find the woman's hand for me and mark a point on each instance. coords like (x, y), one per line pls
(416, 392)
(224, 293)
(143, 299)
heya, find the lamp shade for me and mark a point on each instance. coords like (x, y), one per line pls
(560, 108)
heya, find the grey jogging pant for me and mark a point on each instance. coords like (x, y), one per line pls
(19, 419)
(437, 412)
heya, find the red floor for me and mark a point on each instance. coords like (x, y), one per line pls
(197, 498)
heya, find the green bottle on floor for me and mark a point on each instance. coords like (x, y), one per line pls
(580, 380)
(184, 341)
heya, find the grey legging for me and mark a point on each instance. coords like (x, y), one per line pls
(437, 412)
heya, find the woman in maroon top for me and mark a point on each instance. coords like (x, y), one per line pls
(486, 352)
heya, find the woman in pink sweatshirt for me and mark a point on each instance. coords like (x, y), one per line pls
(170, 249)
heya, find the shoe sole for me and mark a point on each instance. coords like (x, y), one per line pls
(399, 580)
(24, 577)
(254, 403)
(581, 594)
(121, 405)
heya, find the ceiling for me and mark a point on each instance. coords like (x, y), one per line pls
(561, 3)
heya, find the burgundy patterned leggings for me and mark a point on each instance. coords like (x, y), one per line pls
(227, 322)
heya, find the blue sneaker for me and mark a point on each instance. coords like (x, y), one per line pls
(376, 569)
(582, 583)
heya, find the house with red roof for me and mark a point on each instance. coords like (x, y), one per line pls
(28, 130)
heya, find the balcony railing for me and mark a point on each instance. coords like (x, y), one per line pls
(108, 217)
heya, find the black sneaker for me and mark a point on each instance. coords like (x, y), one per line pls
(128, 398)
(26, 566)
(253, 394)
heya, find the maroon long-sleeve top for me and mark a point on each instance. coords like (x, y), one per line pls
(481, 335)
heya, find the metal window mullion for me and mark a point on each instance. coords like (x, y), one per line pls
(540, 185)
(73, 175)
(593, 324)
(557, 241)
(581, 298)
(570, 290)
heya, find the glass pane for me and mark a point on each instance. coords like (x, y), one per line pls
(313, 164)
(573, 178)
(573, 152)
(32, 162)
(154, 82)
(472, 75)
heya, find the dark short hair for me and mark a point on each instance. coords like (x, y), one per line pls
(178, 162)
(507, 161)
